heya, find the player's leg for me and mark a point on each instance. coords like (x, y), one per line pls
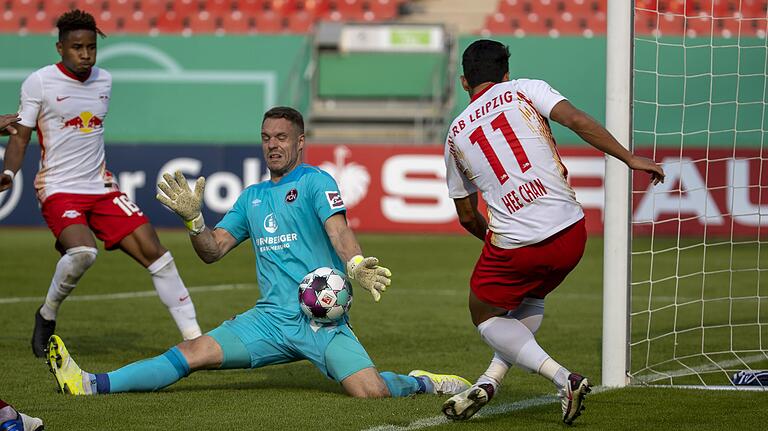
(346, 361)
(150, 374)
(143, 245)
(120, 224)
(65, 216)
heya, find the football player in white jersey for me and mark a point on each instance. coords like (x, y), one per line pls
(502, 147)
(67, 103)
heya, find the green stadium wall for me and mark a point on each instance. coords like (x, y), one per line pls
(173, 89)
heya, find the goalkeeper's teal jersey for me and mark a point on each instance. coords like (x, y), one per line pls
(285, 222)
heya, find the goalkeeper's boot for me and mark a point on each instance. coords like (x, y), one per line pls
(442, 384)
(464, 405)
(572, 397)
(43, 331)
(69, 377)
(22, 423)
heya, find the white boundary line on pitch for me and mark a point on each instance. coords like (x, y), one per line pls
(492, 410)
(127, 295)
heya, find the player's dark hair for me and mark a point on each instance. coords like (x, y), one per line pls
(485, 61)
(289, 114)
(76, 19)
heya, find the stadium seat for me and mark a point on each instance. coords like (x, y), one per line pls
(513, 8)
(9, 23)
(39, 24)
(647, 5)
(136, 23)
(153, 8)
(185, 8)
(645, 21)
(170, 22)
(90, 6)
(120, 8)
(202, 22)
(25, 8)
(383, 9)
(268, 22)
(300, 22)
(671, 24)
(235, 22)
(754, 8)
(700, 26)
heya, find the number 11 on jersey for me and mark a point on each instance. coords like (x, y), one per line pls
(500, 123)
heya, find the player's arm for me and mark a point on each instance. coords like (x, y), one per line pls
(596, 135)
(209, 245)
(14, 155)
(469, 217)
(7, 124)
(366, 270)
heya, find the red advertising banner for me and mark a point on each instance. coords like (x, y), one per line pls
(402, 189)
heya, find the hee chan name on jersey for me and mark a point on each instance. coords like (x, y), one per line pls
(528, 192)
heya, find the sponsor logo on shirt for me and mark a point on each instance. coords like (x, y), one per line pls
(334, 199)
(270, 223)
(60, 98)
(86, 122)
(291, 195)
(353, 178)
(256, 202)
(71, 214)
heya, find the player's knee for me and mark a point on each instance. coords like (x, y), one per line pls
(373, 391)
(82, 258)
(163, 262)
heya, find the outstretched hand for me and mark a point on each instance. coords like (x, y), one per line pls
(182, 200)
(369, 275)
(648, 166)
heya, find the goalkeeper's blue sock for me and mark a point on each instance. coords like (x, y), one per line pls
(400, 385)
(144, 376)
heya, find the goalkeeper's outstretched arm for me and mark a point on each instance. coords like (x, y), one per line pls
(365, 270)
(176, 194)
(596, 135)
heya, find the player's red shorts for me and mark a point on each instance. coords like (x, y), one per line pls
(111, 216)
(504, 277)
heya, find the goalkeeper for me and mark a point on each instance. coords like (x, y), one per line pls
(296, 223)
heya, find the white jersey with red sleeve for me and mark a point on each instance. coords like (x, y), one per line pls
(502, 146)
(69, 116)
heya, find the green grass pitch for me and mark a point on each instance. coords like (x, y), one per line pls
(421, 322)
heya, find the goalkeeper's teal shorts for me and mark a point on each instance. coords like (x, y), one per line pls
(256, 339)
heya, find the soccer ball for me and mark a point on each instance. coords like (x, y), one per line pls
(325, 295)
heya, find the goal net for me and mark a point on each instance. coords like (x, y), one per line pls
(698, 309)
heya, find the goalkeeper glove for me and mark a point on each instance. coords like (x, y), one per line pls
(180, 198)
(369, 275)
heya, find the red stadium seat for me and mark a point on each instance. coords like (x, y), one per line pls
(300, 22)
(91, 6)
(713, 8)
(170, 22)
(55, 8)
(153, 8)
(700, 26)
(185, 8)
(44, 24)
(517, 8)
(671, 24)
(134, 25)
(645, 21)
(754, 8)
(120, 8)
(383, 9)
(235, 22)
(9, 23)
(25, 8)
(647, 5)
(202, 22)
(218, 7)
(268, 22)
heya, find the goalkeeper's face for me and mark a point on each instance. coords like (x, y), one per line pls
(282, 144)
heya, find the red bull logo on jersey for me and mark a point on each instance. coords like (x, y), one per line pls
(86, 122)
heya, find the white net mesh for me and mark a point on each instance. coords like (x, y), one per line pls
(699, 308)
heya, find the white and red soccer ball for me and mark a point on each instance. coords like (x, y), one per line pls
(325, 295)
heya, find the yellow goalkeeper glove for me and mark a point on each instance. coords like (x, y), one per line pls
(369, 275)
(180, 198)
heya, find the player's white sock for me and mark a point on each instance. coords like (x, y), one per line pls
(495, 373)
(175, 295)
(514, 342)
(530, 313)
(69, 269)
(555, 372)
